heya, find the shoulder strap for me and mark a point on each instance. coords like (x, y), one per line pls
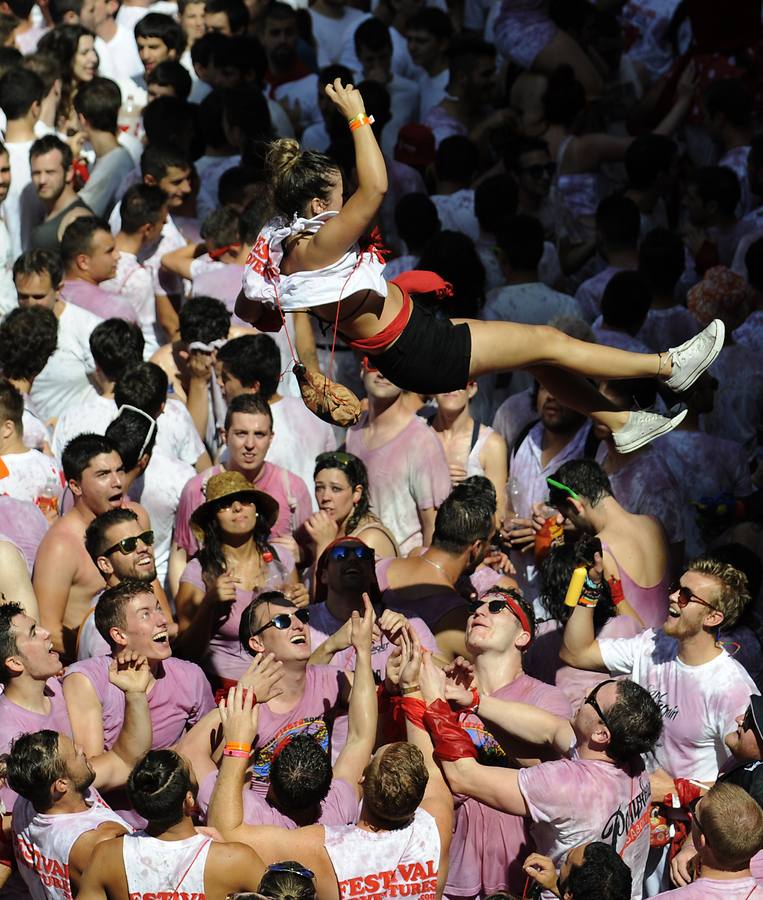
(475, 434)
(522, 436)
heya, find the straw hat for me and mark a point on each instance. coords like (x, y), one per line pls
(229, 484)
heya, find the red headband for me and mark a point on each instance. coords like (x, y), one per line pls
(221, 251)
(511, 602)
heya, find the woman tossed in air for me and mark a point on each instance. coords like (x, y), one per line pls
(308, 258)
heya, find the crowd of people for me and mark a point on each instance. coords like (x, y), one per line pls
(380, 449)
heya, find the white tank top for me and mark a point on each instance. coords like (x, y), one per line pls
(157, 868)
(263, 281)
(473, 464)
(42, 843)
(368, 863)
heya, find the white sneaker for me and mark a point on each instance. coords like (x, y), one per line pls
(642, 428)
(694, 356)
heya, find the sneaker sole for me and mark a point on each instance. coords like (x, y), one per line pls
(720, 336)
(645, 439)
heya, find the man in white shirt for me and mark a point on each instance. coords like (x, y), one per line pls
(698, 686)
(24, 474)
(115, 45)
(429, 32)
(7, 288)
(97, 104)
(21, 93)
(332, 19)
(38, 275)
(143, 213)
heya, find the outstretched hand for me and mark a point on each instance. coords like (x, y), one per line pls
(362, 627)
(459, 681)
(346, 98)
(239, 715)
(129, 671)
(263, 677)
(431, 678)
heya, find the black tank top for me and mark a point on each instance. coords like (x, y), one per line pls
(45, 236)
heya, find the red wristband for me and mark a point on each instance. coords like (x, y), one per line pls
(616, 590)
(410, 709)
(475, 704)
(450, 740)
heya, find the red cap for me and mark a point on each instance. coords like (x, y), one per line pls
(415, 145)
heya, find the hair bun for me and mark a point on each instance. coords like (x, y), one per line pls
(282, 156)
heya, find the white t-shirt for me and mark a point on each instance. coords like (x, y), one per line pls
(22, 208)
(291, 417)
(135, 284)
(699, 703)
(24, 476)
(329, 34)
(433, 89)
(170, 239)
(8, 297)
(119, 58)
(64, 382)
(158, 491)
(176, 435)
(574, 801)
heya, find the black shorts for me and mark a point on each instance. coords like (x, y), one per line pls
(431, 356)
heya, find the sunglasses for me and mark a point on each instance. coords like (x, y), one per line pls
(538, 170)
(692, 809)
(591, 700)
(283, 621)
(128, 545)
(358, 551)
(558, 486)
(292, 868)
(748, 723)
(685, 597)
(493, 606)
(241, 499)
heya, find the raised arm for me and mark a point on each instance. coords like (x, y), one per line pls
(335, 238)
(579, 645)
(179, 261)
(15, 582)
(54, 571)
(528, 723)
(363, 709)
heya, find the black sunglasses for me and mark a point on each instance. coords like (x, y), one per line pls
(692, 808)
(128, 545)
(241, 499)
(538, 170)
(748, 723)
(591, 700)
(283, 620)
(356, 550)
(686, 596)
(494, 606)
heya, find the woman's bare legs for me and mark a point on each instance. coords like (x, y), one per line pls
(578, 394)
(500, 346)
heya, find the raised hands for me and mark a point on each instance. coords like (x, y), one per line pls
(431, 678)
(362, 627)
(263, 677)
(129, 671)
(239, 715)
(346, 98)
(459, 681)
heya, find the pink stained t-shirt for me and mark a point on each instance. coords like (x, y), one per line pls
(225, 656)
(699, 704)
(711, 888)
(312, 714)
(573, 801)
(650, 603)
(178, 699)
(97, 301)
(407, 474)
(294, 505)
(339, 807)
(24, 525)
(489, 846)
(15, 720)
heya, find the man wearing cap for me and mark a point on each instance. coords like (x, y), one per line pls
(634, 548)
(489, 846)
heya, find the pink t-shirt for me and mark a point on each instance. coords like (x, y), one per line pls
(97, 301)
(407, 474)
(699, 704)
(15, 720)
(312, 714)
(23, 524)
(225, 656)
(339, 807)
(723, 889)
(179, 698)
(489, 846)
(572, 801)
(294, 505)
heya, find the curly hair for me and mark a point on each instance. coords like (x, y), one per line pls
(28, 338)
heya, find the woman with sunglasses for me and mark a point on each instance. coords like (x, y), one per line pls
(341, 491)
(308, 258)
(235, 561)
